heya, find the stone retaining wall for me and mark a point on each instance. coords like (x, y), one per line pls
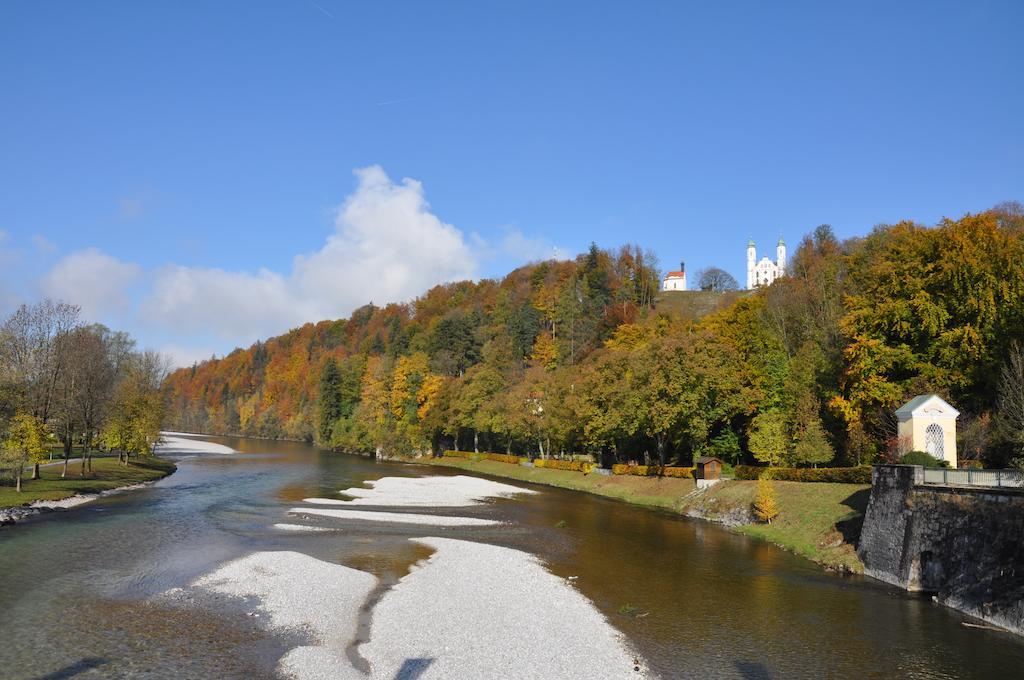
(964, 544)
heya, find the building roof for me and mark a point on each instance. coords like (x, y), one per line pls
(750, 243)
(675, 275)
(781, 242)
(926, 403)
(708, 459)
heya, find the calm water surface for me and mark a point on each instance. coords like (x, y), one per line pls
(77, 588)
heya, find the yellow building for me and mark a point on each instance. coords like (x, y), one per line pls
(928, 423)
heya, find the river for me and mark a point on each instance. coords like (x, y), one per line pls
(78, 588)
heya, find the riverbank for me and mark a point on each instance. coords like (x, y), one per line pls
(50, 492)
(819, 521)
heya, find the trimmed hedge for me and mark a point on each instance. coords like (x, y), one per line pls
(497, 457)
(653, 471)
(849, 475)
(502, 458)
(572, 465)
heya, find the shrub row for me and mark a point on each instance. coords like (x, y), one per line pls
(502, 458)
(849, 475)
(497, 457)
(652, 471)
(574, 465)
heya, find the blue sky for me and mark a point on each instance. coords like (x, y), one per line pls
(167, 163)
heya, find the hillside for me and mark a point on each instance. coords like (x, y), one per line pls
(585, 356)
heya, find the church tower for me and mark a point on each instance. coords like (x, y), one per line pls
(751, 263)
(780, 255)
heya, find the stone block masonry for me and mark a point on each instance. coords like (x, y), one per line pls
(963, 544)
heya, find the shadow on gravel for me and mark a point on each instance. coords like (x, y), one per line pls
(413, 668)
(752, 670)
(74, 669)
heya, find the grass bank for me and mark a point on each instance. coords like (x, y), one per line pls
(819, 521)
(107, 474)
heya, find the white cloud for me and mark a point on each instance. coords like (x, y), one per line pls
(519, 247)
(130, 207)
(182, 355)
(95, 281)
(43, 244)
(387, 246)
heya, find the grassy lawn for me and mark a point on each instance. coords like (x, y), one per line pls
(818, 521)
(665, 493)
(106, 474)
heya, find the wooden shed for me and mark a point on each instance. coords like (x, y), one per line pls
(708, 467)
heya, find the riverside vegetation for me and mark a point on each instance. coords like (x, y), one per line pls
(585, 357)
(819, 521)
(78, 387)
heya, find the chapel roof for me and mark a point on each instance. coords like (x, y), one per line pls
(916, 406)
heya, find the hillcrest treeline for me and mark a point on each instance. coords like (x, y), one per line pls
(586, 356)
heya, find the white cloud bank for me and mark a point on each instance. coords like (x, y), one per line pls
(386, 246)
(97, 282)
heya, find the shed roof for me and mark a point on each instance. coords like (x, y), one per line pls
(708, 459)
(923, 403)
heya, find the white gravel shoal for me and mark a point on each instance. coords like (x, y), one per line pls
(81, 499)
(300, 527)
(297, 591)
(395, 517)
(460, 490)
(172, 444)
(482, 611)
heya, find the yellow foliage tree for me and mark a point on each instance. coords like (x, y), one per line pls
(630, 336)
(545, 352)
(25, 443)
(427, 397)
(375, 392)
(765, 506)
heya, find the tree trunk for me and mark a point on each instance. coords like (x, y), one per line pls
(35, 470)
(476, 441)
(540, 443)
(661, 452)
(508, 447)
(64, 472)
(17, 477)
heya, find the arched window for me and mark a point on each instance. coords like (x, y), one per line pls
(934, 441)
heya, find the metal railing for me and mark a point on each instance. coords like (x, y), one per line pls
(969, 477)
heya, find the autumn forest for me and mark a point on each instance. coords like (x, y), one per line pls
(586, 356)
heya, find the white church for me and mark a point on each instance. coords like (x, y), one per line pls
(763, 273)
(675, 280)
(759, 274)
